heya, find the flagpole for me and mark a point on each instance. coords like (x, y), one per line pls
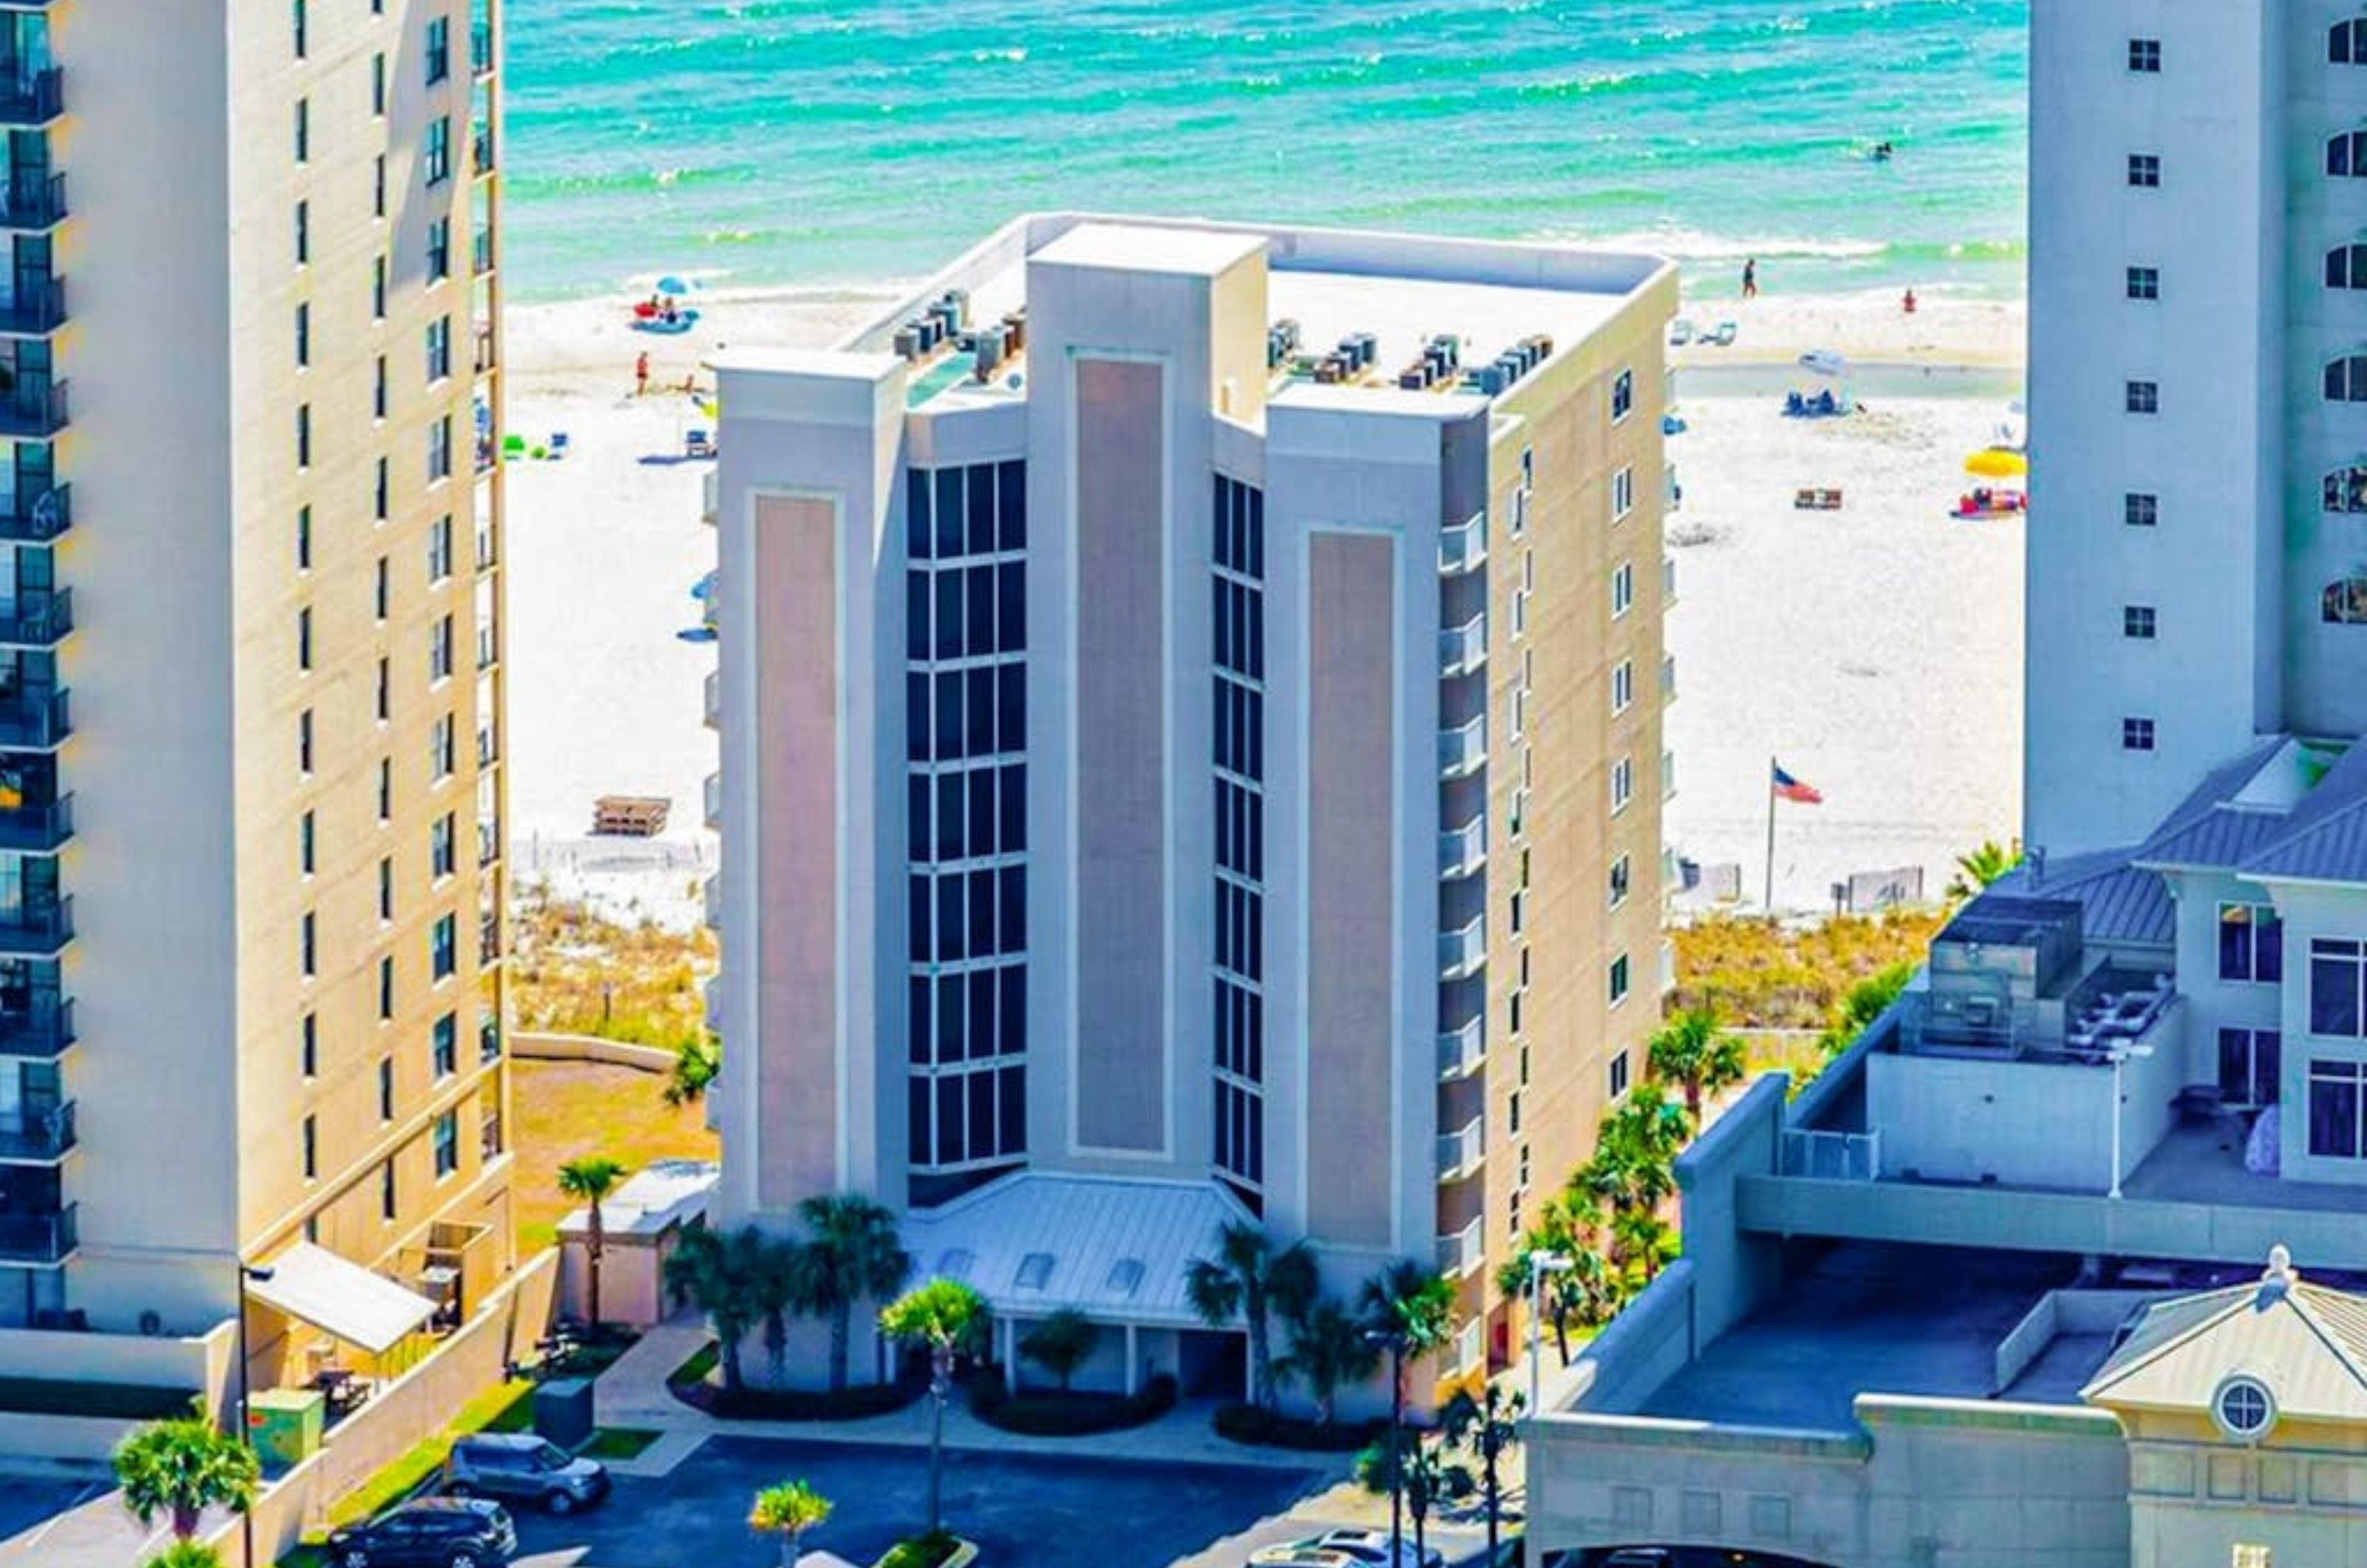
(1771, 837)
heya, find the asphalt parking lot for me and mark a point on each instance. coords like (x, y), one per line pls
(1041, 1511)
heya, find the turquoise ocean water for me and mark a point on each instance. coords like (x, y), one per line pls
(811, 143)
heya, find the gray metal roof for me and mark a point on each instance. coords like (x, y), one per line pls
(2120, 902)
(2219, 786)
(2220, 838)
(2324, 837)
(1116, 1248)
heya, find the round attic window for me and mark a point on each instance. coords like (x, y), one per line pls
(2244, 1408)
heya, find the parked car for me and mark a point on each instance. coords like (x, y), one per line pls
(1345, 1548)
(434, 1532)
(520, 1465)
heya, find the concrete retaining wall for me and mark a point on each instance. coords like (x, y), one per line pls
(591, 1048)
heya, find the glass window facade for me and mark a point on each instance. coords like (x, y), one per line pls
(1237, 586)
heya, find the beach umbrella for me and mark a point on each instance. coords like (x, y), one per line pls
(1824, 361)
(1997, 463)
(674, 284)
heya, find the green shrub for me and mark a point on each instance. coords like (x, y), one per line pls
(1053, 1413)
(804, 1404)
(1252, 1425)
(923, 1551)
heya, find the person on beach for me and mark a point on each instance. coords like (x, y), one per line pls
(1751, 278)
(641, 375)
(1910, 301)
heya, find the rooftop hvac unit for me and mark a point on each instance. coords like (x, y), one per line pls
(907, 341)
(990, 351)
(1413, 378)
(1015, 330)
(1491, 378)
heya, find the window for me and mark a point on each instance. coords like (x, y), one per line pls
(1623, 783)
(448, 1144)
(385, 989)
(378, 188)
(1623, 494)
(304, 436)
(311, 1150)
(377, 85)
(2346, 267)
(444, 946)
(2139, 510)
(2344, 380)
(2145, 56)
(2137, 735)
(304, 639)
(439, 449)
(385, 689)
(378, 288)
(303, 233)
(439, 49)
(307, 956)
(2145, 282)
(2249, 1066)
(439, 747)
(440, 852)
(386, 1205)
(2335, 1103)
(2142, 397)
(304, 741)
(2344, 602)
(1618, 1075)
(2243, 1408)
(2251, 943)
(381, 491)
(304, 844)
(2144, 171)
(436, 156)
(2137, 621)
(439, 250)
(385, 789)
(2346, 155)
(439, 651)
(2337, 971)
(379, 591)
(2346, 491)
(309, 1048)
(1619, 979)
(1623, 589)
(297, 17)
(377, 390)
(303, 129)
(303, 337)
(1619, 879)
(439, 550)
(303, 538)
(1623, 685)
(2346, 43)
(385, 889)
(439, 348)
(1623, 394)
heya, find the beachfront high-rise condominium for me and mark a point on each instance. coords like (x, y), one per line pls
(250, 825)
(2198, 563)
(1191, 713)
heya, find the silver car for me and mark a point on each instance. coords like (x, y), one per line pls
(520, 1465)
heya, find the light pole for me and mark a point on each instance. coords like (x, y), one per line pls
(1540, 1264)
(246, 1420)
(2120, 1056)
(1393, 1340)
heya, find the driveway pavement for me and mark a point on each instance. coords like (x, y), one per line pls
(1036, 1510)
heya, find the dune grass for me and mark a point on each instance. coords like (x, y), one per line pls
(1760, 976)
(568, 1109)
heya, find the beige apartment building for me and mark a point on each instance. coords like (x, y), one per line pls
(1190, 716)
(250, 682)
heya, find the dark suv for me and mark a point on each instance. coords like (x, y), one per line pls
(435, 1532)
(521, 1465)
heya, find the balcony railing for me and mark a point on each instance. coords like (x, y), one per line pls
(1667, 678)
(712, 898)
(31, 98)
(38, 1238)
(711, 483)
(714, 793)
(1672, 493)
(1463, 751)
(38, 309)
(1464, 850)
(489, 841)
(37, 517)
(1462, 952)
(1462, 649)
(37, 930)
(714, 693)
(489, 648)
(1463, 1251)
(1459, 1152)
(37, 1136)
(489, 940)
(481, 50)
(1463, 545)
(1469, 1345)
(481, 151)
(36, 620)
(35, 719)
(484, 355)
(1668, 581)
(35, 410)
(482, 253)
(489, 1039)
(1460, 1051)
(1831, 1157)
(37, 829)
(40, 1033)
(488, 749)
(33, 202)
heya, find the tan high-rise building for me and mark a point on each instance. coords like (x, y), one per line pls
(250, 681)
(1191, 728)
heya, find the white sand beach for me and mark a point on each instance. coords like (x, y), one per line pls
(1877, 648)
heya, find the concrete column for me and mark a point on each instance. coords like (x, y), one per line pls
(1133, 1361)
(1010, 1356)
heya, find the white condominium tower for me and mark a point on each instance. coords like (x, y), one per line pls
(2198, 326)
(250, 824)
(1190, 730)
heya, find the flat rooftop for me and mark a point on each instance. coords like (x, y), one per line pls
(1921, 1321)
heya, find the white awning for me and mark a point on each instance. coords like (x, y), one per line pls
(345, 1299)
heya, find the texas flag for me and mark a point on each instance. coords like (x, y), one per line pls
(1793, 790)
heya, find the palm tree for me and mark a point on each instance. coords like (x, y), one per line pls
(947, 1318)
(1642, 1239)
(182, 1467)
(1979, 867)
(717, 1274)
(1251, 1278)
(854, 1255)
(696, 1059)
(775, 1289)
(1060, 1344)
(1401, 1460)
(1692, 1050)
(788, 1510)
(1485, 1427)
(588, 1180)
(1328, 1348)
(1866, 1000)
(1415, 1303)
(186, 1555)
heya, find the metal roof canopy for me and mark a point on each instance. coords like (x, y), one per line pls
(342, 1299)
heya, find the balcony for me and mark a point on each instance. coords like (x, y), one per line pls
(30, 99)
(1460, 1152)
(481, 50)
(489, 648)
(714, 792)
(489, 841)
(711, 896)
(37, 930)
(1461, 1051)
(489, 941)
(712, 484)
(36, 619)
(482, 253)
(38, 309)
(35, 719)
(31, 203)
(37, 518)
(489, 1040)
(488, 750)
(38, 1238)
(710, 1001)
(1463, 953)
(1464, 546)
(487, 554)
(485, 357)
(480, 151)
(714, 694)
(34, 410)
(1668, 581)
(1467, 1350)
(1463, 751)
(37, 1137)
(1668, 679)
(37, 829)
(1464, 649)
(1672, 494)
(1464, 850)
(40, 1032)
(1462, 1252)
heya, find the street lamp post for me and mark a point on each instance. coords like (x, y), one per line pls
(1540, 1264)
(245, 1419)
(2121, 1056)
(1393, 1341)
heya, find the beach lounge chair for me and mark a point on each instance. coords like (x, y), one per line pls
(1680, 333)
(558, 445)
(1725, 335)
(699, 444)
